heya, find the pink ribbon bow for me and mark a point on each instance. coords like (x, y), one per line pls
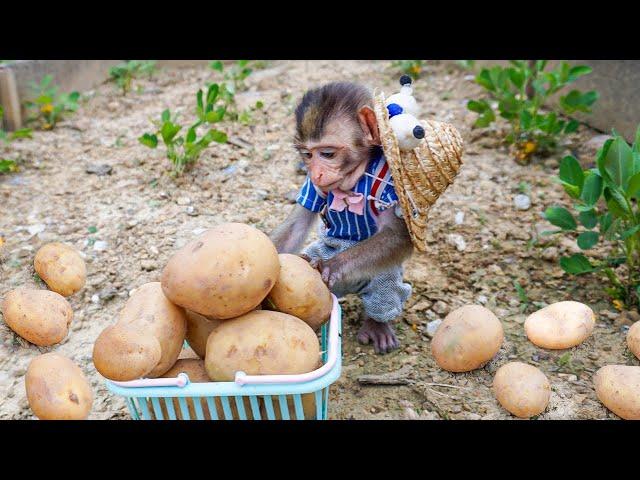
(354, 202)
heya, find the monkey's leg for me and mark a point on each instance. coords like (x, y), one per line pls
(383, 298)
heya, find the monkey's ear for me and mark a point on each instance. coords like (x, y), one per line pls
(369, 125)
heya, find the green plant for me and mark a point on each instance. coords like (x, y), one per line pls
(50, 106)
(606, 200)
(7, 165)
(522, 296)
(412, 68)
(520, 91)
(184, 150)
(124, 73)
(235, 74)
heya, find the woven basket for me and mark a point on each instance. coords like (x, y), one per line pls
(421, 175)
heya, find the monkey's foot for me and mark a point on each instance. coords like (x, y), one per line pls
(382, 335)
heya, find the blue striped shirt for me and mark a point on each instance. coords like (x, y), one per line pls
(348, 225)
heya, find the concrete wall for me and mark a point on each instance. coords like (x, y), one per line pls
(618, 82)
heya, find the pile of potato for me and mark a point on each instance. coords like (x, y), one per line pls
(470, 336)
(212, 293)
(56, 387)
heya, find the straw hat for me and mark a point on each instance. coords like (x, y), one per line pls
(422, 174)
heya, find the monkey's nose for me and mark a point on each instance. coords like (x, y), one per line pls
(418, 131)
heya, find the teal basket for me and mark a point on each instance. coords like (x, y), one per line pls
(259, 397)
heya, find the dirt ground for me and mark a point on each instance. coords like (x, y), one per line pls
(141, 215)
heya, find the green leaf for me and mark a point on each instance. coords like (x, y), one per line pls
(22, 133)
(218, 136)
(525, 120)
(478, 106)
(484, 79)
(149, 140)
(619, 162)
(578, 101)
(212, 93)
(633, 189)
(572, 126)
(589, 218)
(166, 116)
(579, 71)
(571, 172)
(168, 131)
(606, 221)
(560, 217)
(615, 203)
(217, 65)
(630, 232)
(199, 104)
(576, 264)
(587, 240)
(214, 116)
(7, 166)
(485, 119)
(516, 77)
(191, 135)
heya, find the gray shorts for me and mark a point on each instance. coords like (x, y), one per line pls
(383, 296)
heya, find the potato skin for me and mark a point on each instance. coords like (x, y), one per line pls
(61, 267)
(633, 339)
(149, 309)
(261, 343)
(618, 388)
(467, 339)
(124, 353)
(560, 325)
(57, 389)
(300, 291)
(225, 272)
(41, 317)
(198, 329)
(521, 389)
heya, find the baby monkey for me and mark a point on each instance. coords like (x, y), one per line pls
(363, 240)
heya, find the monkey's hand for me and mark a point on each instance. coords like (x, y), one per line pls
(333, 270)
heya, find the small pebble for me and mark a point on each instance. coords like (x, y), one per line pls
(459, 218)
(100, 246)
(95, 298)
(457, 241)
(522, 202)
(432, 327)
(482, 299)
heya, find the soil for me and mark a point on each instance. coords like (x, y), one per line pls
(129, 221)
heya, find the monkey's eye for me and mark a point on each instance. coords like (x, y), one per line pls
(328, 154)
(305, 153)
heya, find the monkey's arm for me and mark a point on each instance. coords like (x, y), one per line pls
(390, 246)
(292, 233)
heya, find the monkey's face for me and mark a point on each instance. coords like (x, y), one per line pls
(339, 157)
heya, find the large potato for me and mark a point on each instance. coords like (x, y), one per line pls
(61, 267)
(300, 291)
(633, 339)
(261, 343)
(149, 310)
(467, 338)
(225, 272)
(124, 353)
(521, 389)
(198, 329)
(560, 325)
(618, 388)
(41, 317)
(57, 389)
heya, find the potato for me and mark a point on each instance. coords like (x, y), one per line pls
(225, 272)
(300, 291)
(198, 329)
(618, 388)
(57, 389)
(149, 310)
(560, 325)
(123, 353)
(467, 338)
(521, 389)
(633, 339)
(261, 343)
(41, 317)
(61, 267)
